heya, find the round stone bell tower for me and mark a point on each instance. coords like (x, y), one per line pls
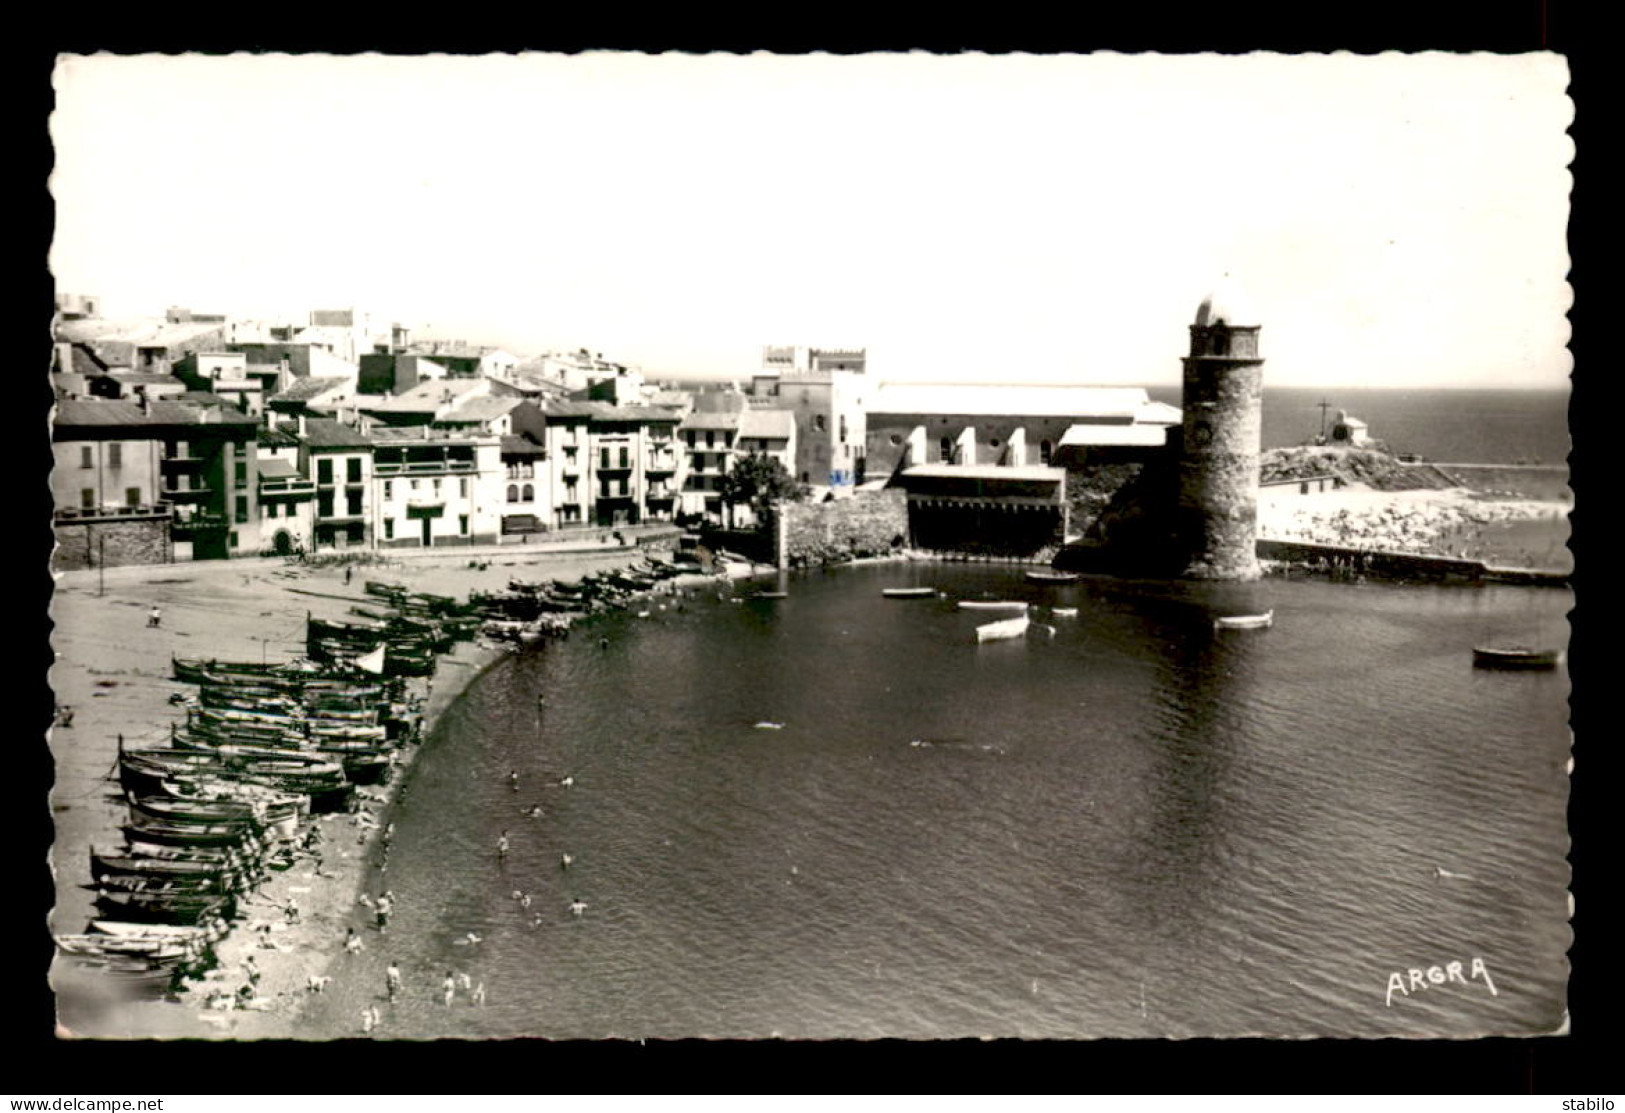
(1222, 431)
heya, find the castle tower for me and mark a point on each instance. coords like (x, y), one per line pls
(1223, 424)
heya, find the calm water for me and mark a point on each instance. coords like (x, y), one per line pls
(1456, 426)
(1134, 827)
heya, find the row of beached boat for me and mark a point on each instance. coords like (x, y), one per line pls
(263, 748)
(529, 610)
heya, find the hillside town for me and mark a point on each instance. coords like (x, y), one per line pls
(199, 436)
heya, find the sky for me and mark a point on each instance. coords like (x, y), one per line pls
(1395, 220)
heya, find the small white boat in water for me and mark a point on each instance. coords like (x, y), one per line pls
(1008, 628)
(1245, 621)
(1064, 612)
(992, 605)
(909, 592)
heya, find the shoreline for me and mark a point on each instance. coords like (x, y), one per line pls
(114, 673)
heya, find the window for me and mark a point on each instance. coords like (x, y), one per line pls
(624, 459)
(352, 469)
(530, 493)
(947, 447)
(570, 486)
(242, 508)
(352, 503)
(690, 443)
(1044, 450)
(87, 499)
(242, 472)
(603, 457)
(115, 455)
(710, 438)
(132, 496)
(462, 488)
(414, 484)
(232, 539)
(324, 472)
(87, 456)
(513, 492)
(818, 422)
(389, 529)
(324, 504)
(389, 489)
(462, 524)
(437, 485)
(269, 509)
(623, 487)
(843, 428)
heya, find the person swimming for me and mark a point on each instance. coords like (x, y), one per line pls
(567, 782)
(565, 860)
(577, 907)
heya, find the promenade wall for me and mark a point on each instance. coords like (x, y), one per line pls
(869, 524)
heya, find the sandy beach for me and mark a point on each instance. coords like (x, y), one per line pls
(113, 671)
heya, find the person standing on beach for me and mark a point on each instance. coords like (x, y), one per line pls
(155, 616)
(352, 942)
(382, 909)
(502, 845)
(392, 981)
(477, 997)
(449, 987)
(366, 1021)
(513, 780)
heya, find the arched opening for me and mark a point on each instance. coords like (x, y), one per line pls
(282, 543)
(529, 493)
(513, 492)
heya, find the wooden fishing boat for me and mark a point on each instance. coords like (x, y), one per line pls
(211, 811)
(909, 592)
(107, 865)
(992, 605)
(1244, 621)
(91, 944)
(1064, 612)
(383, 589)
(771, 595)
(196, 933)
(1515, 657)
(1005, 628)
(167, 908)
(1051, 577)
(150, 884)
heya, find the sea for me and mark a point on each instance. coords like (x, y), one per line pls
(1461, 426)
(836, 815)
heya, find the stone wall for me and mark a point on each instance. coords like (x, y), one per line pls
(872, 523)
(117, 542)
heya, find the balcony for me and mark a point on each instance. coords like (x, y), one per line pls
(188, 494)
(271, 488)
(424, 467)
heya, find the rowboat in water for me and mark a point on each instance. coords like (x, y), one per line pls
(1052, 577)
(992, 605)
(1244, 621)
(1006, 628)
(909, 592)
(1064, 612)
(1516, 657)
